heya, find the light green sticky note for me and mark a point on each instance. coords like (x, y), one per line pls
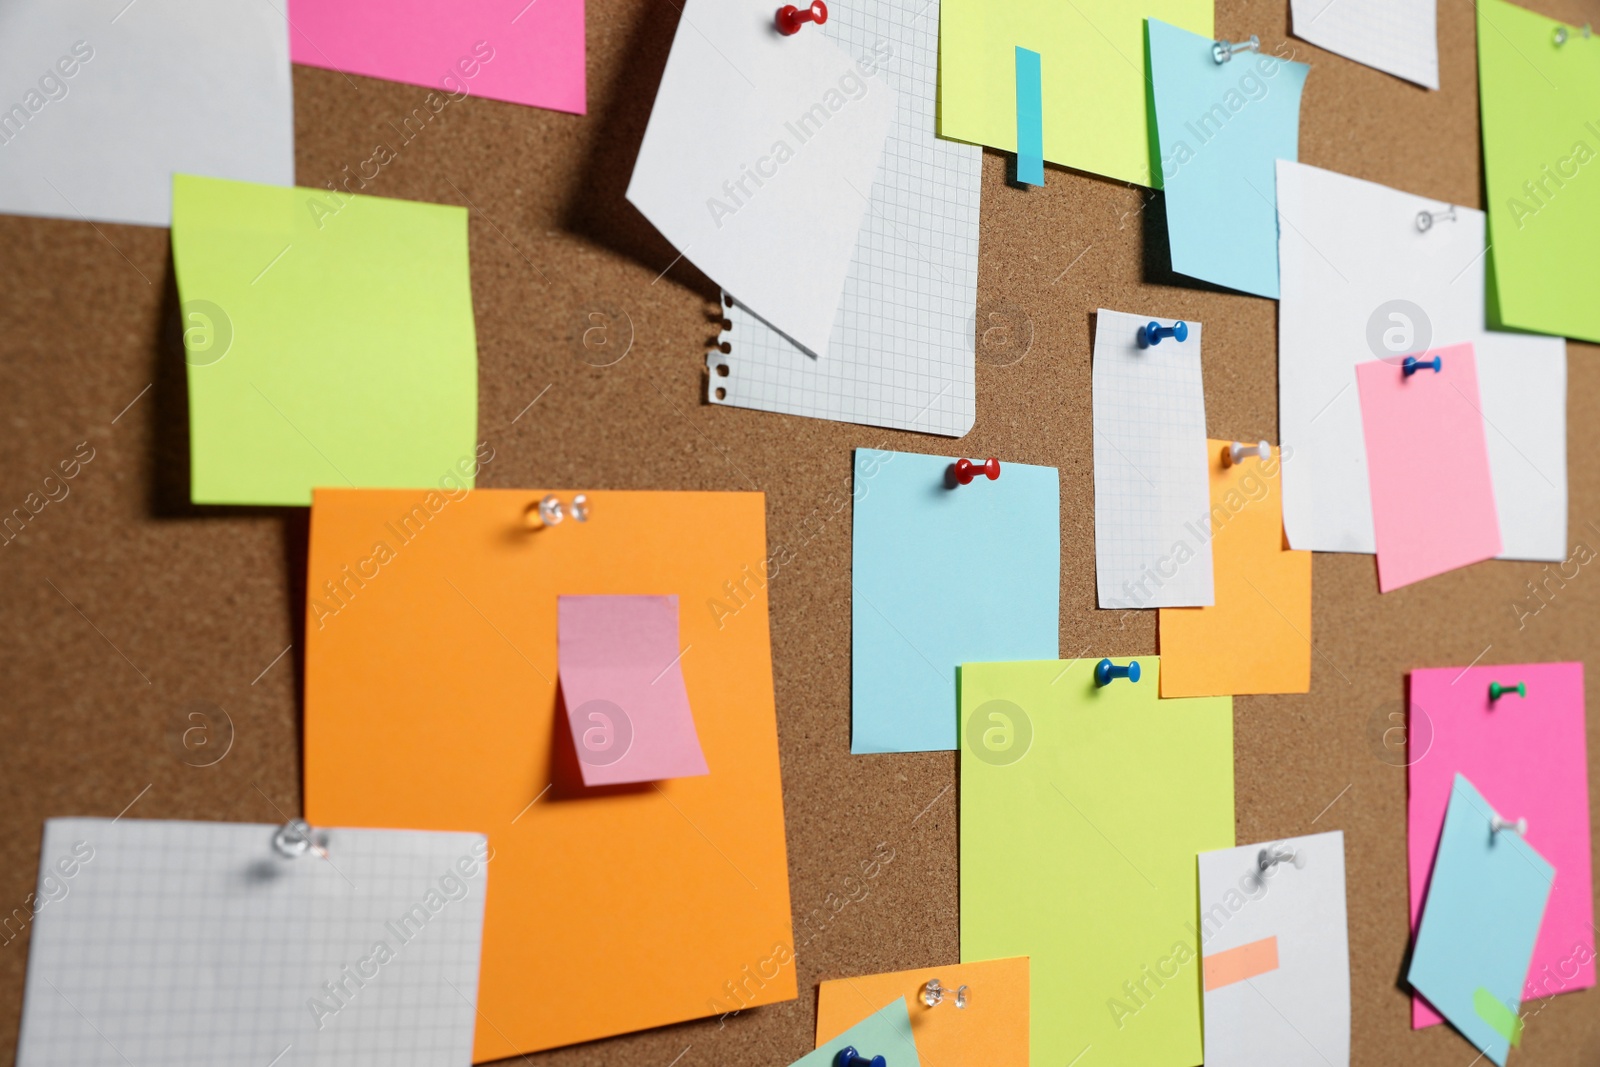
(1092, 66)
(886, 1032)
(329, 341)
(1540, 105)
(1082, 811)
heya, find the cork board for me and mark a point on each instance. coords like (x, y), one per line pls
(134, 617)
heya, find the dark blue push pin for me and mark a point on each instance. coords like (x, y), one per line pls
(1153, 333)
(1105, 671)
(1412, 364)
(849, 1057)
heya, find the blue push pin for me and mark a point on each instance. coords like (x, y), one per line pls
(1105, 671)
(1153, 333)
(1412, 364)
(849, 1057)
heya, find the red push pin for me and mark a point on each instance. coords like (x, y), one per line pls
(791, 18)
(966, 470)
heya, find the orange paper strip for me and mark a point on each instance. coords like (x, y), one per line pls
(991, 1030)
(1236, 964)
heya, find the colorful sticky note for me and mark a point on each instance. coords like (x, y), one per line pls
(992, 1029)
(1256, 638)
(1540, 104)
(1485, 902)
(529, 53)
(1397, 36)
(103, 104)
(1530, 753)
(1276, 953)
(419, 603)
(1082, 809)
(1428, 465)
(886, 1032)
(1152, 542)
(1094, 51)
(621, 681)
(329, 341)
(1221, 126)
(770, 207)
(944, 574)
(1361, 281)
(1030, 118)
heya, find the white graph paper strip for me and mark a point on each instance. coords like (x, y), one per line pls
(1397, 36)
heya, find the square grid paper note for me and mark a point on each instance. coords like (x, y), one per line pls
(1397, 36)
(196, 943)
(901, 350)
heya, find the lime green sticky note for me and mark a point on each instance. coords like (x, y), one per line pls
(329, 341)
(1082, 810)
(1092, 63)
(1540, 104)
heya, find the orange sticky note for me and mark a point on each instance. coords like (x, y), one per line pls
(1256, 638)
(992, 1029)
(1236, 964)
(431, 703)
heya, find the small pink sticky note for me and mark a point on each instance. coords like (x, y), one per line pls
(622, 683)
(1427, 466)
(523, 51)
(1530, 754)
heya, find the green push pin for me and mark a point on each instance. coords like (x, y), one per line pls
(1496, 690)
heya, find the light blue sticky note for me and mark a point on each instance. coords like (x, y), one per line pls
(1221, 126)
(1030, 118)
(1481, 918)
(944, 574)
(886, 1032)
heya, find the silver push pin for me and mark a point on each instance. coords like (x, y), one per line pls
(1562, 36)
(934, 993)
(1273, 855)
(1497, 824)
(1426, 219)
(1224, 51)
(295, 838)
(1237, 452)
(551, 512)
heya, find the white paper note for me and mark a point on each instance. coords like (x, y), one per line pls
(102, 101)
(1275, 954)
(1152, 504)
(759, 157)
(1397, 36)
(186, 943)
(1360, 281)
(901, 351)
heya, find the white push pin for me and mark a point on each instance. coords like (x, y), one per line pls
(1273, 855)
(1426, 219)
(1497, 824)
(295, 838)
(550, 511)
(1237, 451)
(934, 993)
(1224, 51)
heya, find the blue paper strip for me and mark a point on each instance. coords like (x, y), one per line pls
(1030, 118)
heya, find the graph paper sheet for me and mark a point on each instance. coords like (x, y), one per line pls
(901, 350)
(1400, 37)
(1152, 504)
(195, 943)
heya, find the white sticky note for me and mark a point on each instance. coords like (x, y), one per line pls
(759, 159)
(1152, 504)
(102, 101)
(1275, 954)
(182, 942)
(1360, 280)
(1400, 37)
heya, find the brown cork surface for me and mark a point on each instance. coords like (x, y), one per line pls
(128, 610)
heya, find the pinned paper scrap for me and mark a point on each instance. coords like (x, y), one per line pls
(1030, 118)
(329, 342)
(525, 54)
(1530, 752)
(944, 574)
(1082, 809)
(622, 684)
(991, 1030)
(1221, 126)
(886, 1032)
(1256, 638)
(1460, 957)
(1397, 36)
(1428, 465)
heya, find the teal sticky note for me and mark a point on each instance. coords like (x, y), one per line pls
(1485, 902)
(944, 574)
(1220, 128)
(1030, 118)
(886, 1032)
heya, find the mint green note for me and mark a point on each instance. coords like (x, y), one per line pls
(1540, 104)
(329, 341)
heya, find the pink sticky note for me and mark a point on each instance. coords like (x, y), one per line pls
(622, 684)
(1529, 754)
(524, 51)
(1427, 466)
